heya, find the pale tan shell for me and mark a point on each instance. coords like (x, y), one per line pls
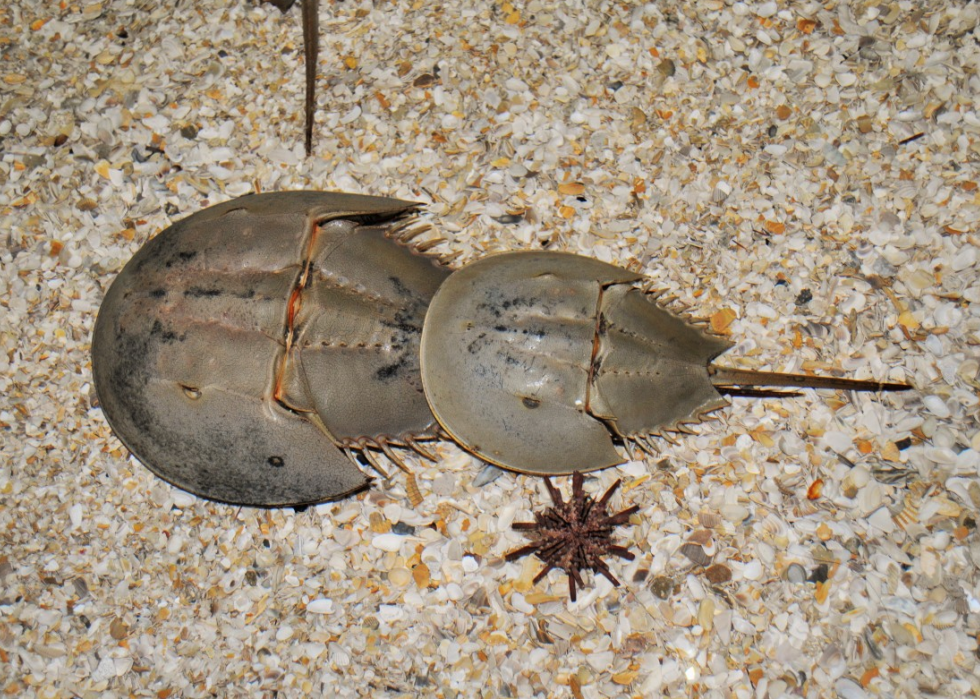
(243, 350)
(539, 361)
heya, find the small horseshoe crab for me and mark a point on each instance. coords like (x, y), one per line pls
(544, 362)
(249, 352)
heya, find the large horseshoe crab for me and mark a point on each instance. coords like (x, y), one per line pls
(246, 353)
(243, 350)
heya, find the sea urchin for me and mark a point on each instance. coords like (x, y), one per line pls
(575, 535)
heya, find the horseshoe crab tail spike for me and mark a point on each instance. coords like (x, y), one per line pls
(311, 35)
(742, 382)
(755, 392)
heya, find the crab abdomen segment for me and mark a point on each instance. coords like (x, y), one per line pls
(356, 339)
(650, 371)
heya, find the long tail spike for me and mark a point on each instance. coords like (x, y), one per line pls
(742, 381)
(311, 48)
(755, 392)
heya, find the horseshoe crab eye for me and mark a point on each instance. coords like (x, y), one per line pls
(191, 392)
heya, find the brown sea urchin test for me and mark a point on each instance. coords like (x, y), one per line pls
(574, 535)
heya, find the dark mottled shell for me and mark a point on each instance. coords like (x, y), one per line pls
(242, 348)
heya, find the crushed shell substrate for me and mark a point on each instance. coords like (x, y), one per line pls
(803, 176)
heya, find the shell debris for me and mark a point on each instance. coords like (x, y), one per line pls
(797, 173)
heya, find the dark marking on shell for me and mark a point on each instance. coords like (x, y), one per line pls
(199, 292)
